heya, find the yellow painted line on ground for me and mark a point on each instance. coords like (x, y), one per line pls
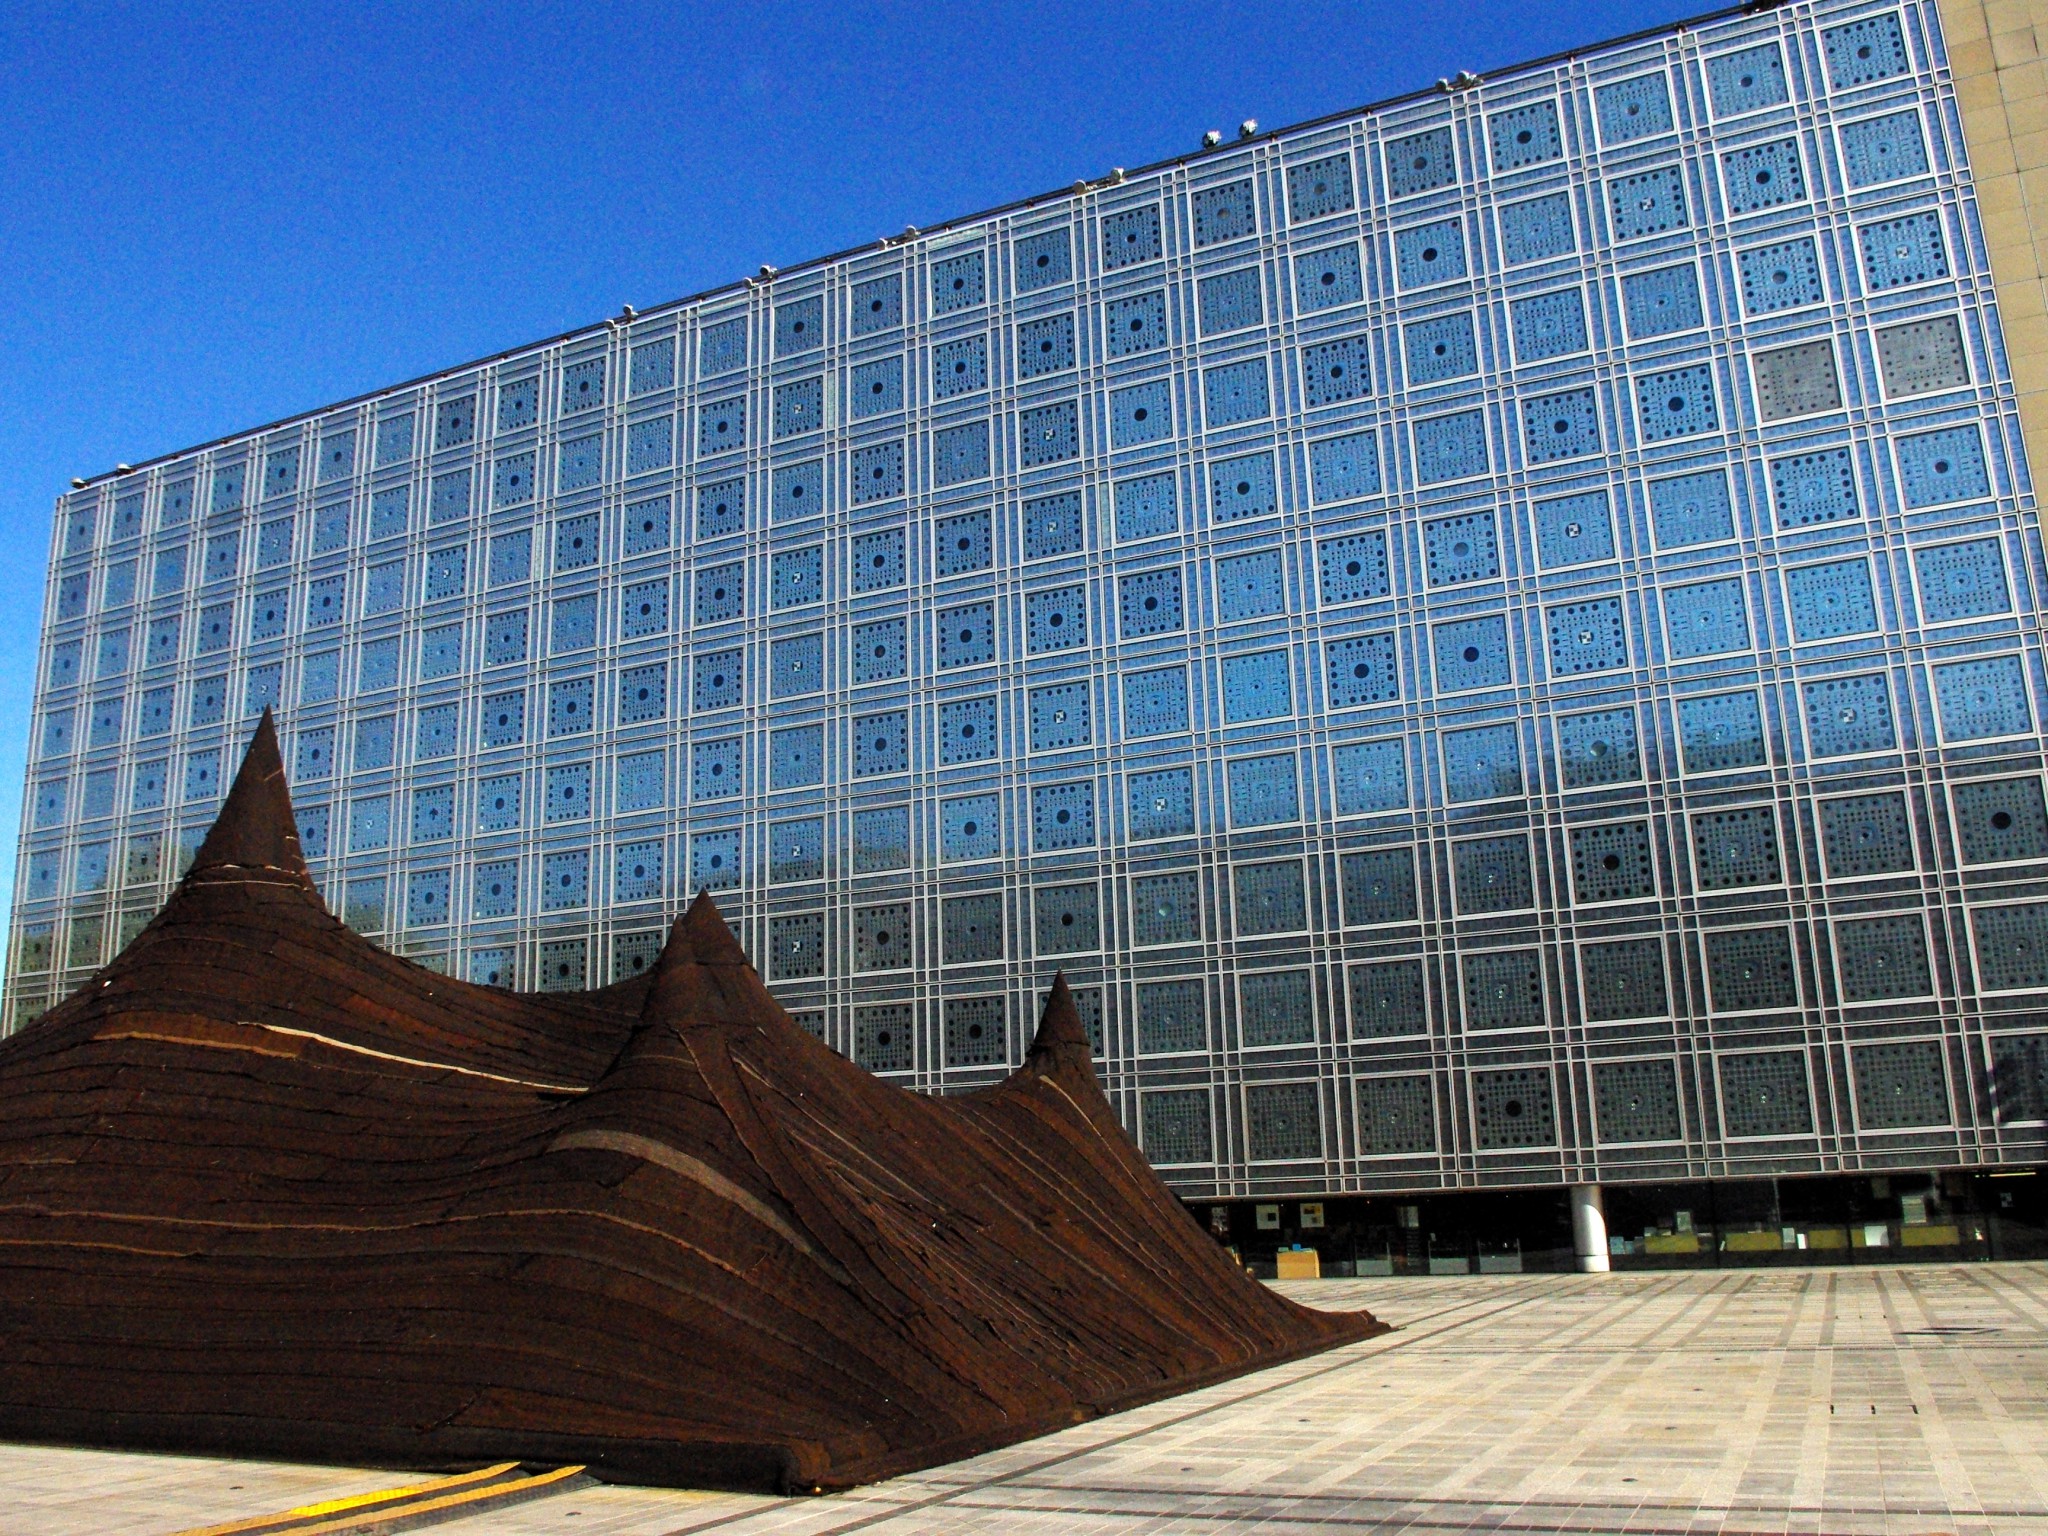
(489, 1493)
(352, 1502)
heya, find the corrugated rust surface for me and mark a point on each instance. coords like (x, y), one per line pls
(265, 1188)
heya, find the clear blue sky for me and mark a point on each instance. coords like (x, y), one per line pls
(215, 215)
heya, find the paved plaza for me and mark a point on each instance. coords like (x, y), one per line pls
(1900, 1400)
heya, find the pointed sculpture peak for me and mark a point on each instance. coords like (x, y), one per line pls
(1061, 1045)
(255, 828)
(704, 936)
(698, 937)
(695, 968)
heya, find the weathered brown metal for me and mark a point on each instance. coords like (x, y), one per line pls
(267, 1189)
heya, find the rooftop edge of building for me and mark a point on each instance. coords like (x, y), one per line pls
(1449, 85)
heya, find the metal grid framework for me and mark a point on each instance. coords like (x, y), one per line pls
(1496, 640)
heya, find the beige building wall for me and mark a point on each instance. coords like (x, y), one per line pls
(1995, 52)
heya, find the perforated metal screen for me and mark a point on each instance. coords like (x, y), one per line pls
(1495, 637)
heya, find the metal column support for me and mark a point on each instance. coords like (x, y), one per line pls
(1589, 1229)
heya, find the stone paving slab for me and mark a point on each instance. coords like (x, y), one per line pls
(54, 1489)
(1887, 1401)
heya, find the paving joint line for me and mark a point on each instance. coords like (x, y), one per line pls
(1351, 1355)
(1684, 1513)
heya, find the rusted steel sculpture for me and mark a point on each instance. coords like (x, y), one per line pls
(265, 1188)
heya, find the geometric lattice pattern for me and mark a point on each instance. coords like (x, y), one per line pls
(1624, 979)
(1765, 1093)
(2019, 1078)
(1514, 1108)
(1866, 835)
(1882, 958)
(1537, 563)
(1636, 1101)
(1175, 1127)
(1900, 1085)
(2012, 947)
(1283, 1122)
(1396, 1116)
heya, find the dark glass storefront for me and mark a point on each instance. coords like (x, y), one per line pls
(1840, 1219)
(1481, 1232)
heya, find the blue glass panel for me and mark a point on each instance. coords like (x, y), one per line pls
(1633, 109)
(1538, 230)
(1706, 618)
(1647, 203)
(1430, 253)
(1548, 325)
(1471, 653)
(1571, 530)
(1421, 162)
(1747, 80)
(1369, 776)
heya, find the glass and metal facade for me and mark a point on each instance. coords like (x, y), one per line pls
(1495, 638)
